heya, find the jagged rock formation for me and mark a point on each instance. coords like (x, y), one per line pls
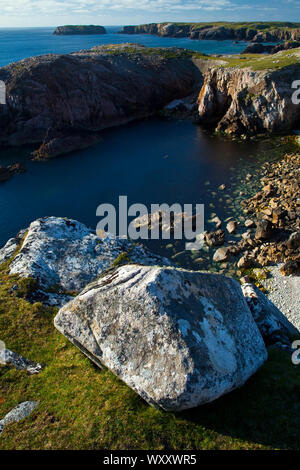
(178, 338)
(61, 101)
(250, 32)
(243, 101)
(79, 29)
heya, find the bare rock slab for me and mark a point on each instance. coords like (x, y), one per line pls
(178, 338)
(18, 413)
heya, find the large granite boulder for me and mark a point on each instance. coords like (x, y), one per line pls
(178, 338)
(66, 255)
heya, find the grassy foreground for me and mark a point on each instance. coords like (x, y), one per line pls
(83, 407)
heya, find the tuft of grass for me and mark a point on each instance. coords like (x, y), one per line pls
(83, 407)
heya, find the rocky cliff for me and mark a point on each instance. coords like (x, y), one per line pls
(62, 101)
(244, 101)
(260, 32)
(78, 29)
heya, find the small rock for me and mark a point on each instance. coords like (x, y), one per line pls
(214, 238)
(263, 230)
(216, 220)
(19, 412)
(290, 268)
(294, 241)
(8, 357)
(249, 223)
(231, 226)
(222, 254)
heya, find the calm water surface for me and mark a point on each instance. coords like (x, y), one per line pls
(19, 43)
(151, 161)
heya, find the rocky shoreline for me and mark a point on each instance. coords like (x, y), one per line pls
(271, 224)
(260, 32)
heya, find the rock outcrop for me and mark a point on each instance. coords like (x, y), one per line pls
(259, 48)
(178, 338)
(244, 101)
(252, 32)
(20, 412)
(79, 29)
(62, 100)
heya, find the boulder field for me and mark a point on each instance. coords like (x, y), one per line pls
(179, 338)
(62, 102)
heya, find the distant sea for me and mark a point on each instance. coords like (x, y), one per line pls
(19, 43)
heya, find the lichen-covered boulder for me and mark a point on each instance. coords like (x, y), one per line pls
(178, 338)
(66, 255)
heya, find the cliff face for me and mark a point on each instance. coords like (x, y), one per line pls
(242, 101)
(53, 97)
(78, 29)
(217, 32)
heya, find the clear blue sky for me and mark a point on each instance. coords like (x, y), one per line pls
(117, 12)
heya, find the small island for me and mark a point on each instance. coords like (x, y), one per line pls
(69, 30)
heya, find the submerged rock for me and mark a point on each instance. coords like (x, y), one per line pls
(178, 338)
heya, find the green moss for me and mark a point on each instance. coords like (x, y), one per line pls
(123, 258)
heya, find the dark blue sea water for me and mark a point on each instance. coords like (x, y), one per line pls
(18, 43)
(150, 161)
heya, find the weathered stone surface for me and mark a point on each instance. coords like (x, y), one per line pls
(272, 324)
(19, 412)
(8, 357)
(65, 254)
(178, 338)
(242, 101)
(214, 238)
(231, 226)
(222, 254)
(263, 229)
